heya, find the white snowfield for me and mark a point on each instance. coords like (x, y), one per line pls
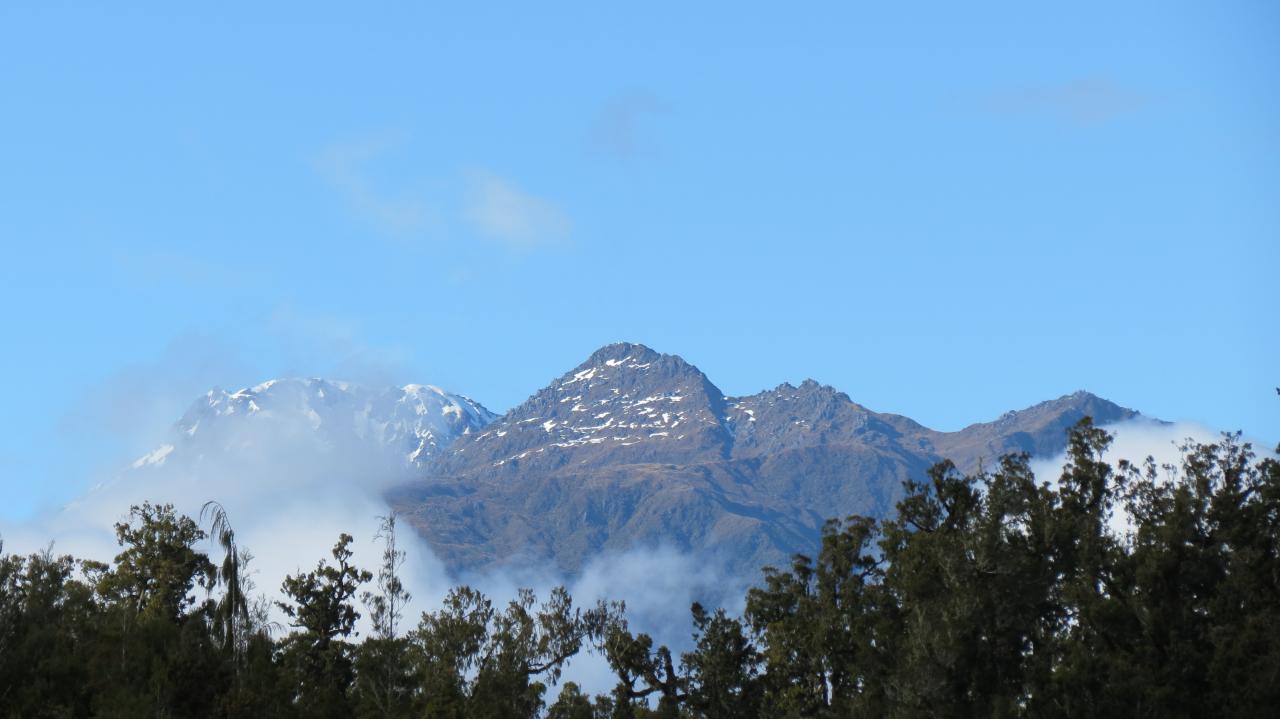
(412, 423)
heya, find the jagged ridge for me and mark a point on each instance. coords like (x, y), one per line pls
(637, 447)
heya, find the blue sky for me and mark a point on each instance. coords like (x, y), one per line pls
(945, 210)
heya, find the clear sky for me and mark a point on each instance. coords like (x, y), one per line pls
(946, 210)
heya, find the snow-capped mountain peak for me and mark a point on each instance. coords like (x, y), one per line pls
(406, 425)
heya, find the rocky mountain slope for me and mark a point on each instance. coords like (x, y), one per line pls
(637, 448)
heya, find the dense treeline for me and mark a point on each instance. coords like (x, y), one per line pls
(987, 596)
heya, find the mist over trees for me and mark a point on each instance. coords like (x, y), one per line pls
(989, 595)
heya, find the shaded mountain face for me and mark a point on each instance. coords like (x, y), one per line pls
(632, 448)
(636, 448)
(1040, 430)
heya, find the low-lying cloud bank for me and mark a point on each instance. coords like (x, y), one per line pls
(1136, 440)
(289, 494)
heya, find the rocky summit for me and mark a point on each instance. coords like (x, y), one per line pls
(634, 448)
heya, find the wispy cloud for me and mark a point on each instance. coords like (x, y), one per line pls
(480, 203)
(332, 345)
(620, 129)
(138, 402)
(1084, 101)
(131, 407)
(499, 210)
(347, 167)
(307, 333)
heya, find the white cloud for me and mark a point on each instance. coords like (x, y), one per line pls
(288, 494)
(500, 210)
(135, 404)
(1135, 440)
(412, 203)
(347, 167)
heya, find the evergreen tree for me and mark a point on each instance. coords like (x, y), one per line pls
(986, 595)
(477, 662)
(385, 680)
(155, 654)
(643, 671)
(321, 608)
(160, 566)
(573, 704)
(44, 662)
(723, 670)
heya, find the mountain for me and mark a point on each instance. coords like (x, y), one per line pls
(401, 428)
(637, 448)
(626, 404)
(631, 448)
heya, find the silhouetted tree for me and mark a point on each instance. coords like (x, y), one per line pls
(321, 608)
(385, 681)
(983, 595)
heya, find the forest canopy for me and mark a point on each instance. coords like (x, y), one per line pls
(1115, 590)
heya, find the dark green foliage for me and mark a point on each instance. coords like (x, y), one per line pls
(475, 661)
(159, 567)
(155, 654)
(320, 607)
(573, 704)
(643, 671)
(823, 628)
(724, 667)
(995, 596)
(43, 662)
(984, 596)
